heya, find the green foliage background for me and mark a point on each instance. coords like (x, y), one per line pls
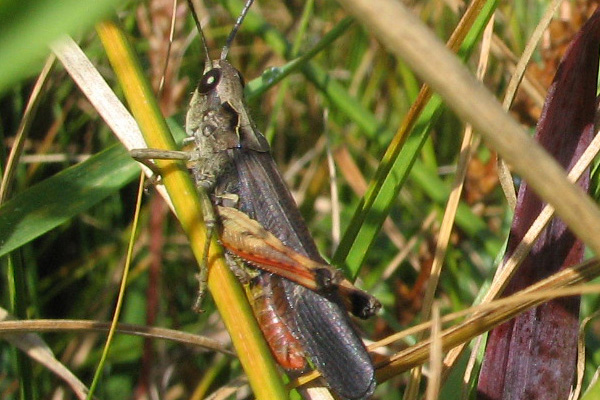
(65, 232)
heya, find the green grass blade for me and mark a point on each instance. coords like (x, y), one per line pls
(393, 170)
(55, 200)
(28, 26)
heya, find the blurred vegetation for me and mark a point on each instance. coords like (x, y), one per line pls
(73, 271)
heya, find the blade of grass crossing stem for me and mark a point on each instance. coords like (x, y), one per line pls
(229, 298)
(396, 164)
(415, 43)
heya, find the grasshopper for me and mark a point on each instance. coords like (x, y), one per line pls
(300, 301)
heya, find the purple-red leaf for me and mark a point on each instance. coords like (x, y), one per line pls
(533, 356)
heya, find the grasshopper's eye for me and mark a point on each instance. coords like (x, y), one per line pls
(209, 81)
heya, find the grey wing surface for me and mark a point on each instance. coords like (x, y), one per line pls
(321, 320)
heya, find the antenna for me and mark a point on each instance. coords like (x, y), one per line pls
(197, 21)
(236, 27)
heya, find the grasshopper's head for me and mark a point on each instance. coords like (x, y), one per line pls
(218, 112)
(218, 117)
